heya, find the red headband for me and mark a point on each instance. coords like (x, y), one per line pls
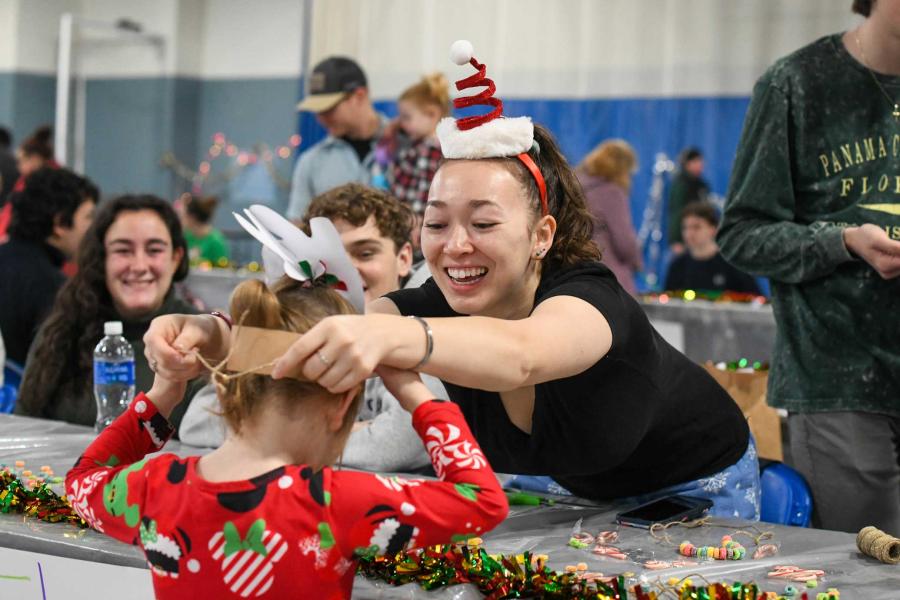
(538, 179)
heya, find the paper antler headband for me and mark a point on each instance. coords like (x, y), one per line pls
(319, 257)
(316, 259)
(490, 135)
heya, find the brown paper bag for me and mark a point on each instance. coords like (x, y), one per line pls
(749, 392)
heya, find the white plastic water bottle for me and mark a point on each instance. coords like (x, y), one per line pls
(113, 375)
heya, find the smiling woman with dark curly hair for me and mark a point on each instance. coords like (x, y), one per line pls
(127, 263)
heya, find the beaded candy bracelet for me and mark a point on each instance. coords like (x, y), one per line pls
(729, 550)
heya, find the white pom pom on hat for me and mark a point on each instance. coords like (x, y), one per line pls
(461, 52)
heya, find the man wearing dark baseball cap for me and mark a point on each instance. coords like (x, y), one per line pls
(339, 97)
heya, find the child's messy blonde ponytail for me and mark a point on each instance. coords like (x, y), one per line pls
(431, 90)
(287, 306)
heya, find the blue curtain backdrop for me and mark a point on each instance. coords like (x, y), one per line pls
(651, 125)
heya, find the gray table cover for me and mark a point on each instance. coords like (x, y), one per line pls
(718, 330)
(542, 530)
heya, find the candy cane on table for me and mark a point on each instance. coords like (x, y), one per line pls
(609, 551)
(795, 573)
(607, 537)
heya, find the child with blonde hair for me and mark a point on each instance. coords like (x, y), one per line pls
(420, 108)
(265, 515)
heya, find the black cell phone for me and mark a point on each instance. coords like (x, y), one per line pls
(664, 510)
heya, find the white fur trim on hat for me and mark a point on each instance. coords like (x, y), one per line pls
(494, 139)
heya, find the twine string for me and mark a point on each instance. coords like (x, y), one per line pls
(882, 546)
(219, 375)
(659, 530)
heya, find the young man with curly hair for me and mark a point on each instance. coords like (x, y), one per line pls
(49, 218)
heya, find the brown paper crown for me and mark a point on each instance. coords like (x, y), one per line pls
(256, 350)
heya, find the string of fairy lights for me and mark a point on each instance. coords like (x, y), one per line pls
(204, 177)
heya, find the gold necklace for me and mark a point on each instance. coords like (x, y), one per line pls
(890, 99)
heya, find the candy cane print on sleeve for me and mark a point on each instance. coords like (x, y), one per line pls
(445, 449)
(80, 491)
(396, 483)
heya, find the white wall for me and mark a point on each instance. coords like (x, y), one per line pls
(105, 52)
(9, 15)
(236, 39)
(565, 48)
(36, 31)
(189, 38)
(555, 48)
(29, 31)
(248, 40)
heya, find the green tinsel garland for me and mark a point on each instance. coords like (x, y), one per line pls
(39, 501)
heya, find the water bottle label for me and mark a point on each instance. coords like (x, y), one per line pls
(113, 372)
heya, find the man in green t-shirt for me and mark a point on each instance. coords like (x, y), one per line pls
(814, 204)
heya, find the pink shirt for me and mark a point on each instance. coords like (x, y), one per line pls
(613, 229)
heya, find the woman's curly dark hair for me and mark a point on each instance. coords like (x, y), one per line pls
(65, 347)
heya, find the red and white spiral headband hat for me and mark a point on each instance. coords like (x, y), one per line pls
(490, 135)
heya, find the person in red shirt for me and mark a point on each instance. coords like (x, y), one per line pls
(265, 515)
(35, 153)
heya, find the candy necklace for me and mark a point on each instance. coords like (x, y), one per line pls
(729, 548)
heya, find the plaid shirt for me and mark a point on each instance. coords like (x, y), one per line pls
(412, 170)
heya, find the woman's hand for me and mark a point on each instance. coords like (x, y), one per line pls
(342, 351)
(406, 386)
(170, 342)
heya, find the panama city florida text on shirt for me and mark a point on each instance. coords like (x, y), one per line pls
(861, 151)
(873, 149)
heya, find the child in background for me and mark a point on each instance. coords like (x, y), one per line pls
(702, 267)
(265, 514)
(205, 242)
(421, 107)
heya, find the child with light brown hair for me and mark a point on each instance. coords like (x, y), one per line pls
(420, 108)
(265, 514)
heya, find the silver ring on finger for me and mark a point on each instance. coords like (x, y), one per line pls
(153, 365)
(324, 360)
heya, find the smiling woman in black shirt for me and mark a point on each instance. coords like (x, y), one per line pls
(641, 418)
(556, 367)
